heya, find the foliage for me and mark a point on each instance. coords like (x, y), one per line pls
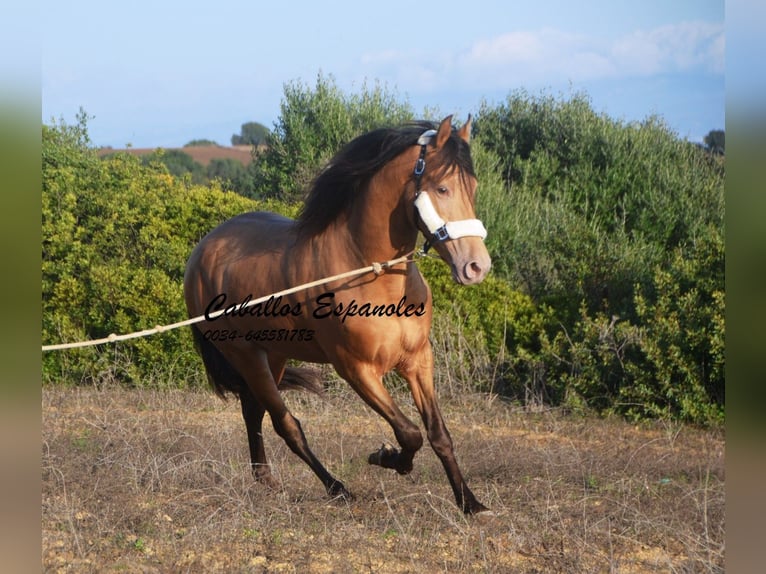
(230, 173)
(251, 133)
(715, 142)
(502, 316)
(313, 125)
(683, 338)
(200, 143)
(619, 228)
(178, 163)
(669, 364)
(116, 235)
(592, 204)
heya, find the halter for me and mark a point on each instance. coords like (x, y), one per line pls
(439, 229)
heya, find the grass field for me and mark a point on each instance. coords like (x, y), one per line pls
(158, 481)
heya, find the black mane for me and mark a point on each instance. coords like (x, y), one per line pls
(349, 172)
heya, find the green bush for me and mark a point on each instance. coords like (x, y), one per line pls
(619, 229)
(668, 364)
(683, 338)
(116, 236)
(178, 163)
(591, 205)
(230, 173)
(505, 319)
(200, 143)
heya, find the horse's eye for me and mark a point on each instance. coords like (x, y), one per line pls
(441, 190)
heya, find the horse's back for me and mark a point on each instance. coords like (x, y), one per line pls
(246, 241)
(246, 233)
(251, 229)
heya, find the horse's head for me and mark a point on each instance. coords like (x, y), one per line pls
(444, 200)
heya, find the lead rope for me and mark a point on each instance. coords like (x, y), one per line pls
(376, 268)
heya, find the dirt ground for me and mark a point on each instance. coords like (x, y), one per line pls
(158, 481)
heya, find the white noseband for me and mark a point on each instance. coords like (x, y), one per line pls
(442, 230)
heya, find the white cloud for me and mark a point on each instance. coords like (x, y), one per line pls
(508, 48)
(534, 56)
(689, 46)
(552, 56)
(717, 54)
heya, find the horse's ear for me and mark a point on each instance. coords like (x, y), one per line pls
(465, 131)
(445, 129)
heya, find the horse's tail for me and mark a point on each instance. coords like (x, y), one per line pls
(302, 379)
(223, 377)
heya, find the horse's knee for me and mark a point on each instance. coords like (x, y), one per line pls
(409, 437)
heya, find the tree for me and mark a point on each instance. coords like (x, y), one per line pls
(313, 125)
(230, 172)
(178, 163)
(618, 227)
(715, 142)
(201, 143)
(252, 133)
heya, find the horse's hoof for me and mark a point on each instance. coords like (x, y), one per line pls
(482, 515)
(339, 492)
(383, 455)
(267, 479)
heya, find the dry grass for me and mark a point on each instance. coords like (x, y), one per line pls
(149, 481)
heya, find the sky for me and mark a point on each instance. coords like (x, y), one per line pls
(163, 73)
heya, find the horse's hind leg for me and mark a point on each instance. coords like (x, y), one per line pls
(263, 386)
(252, 412)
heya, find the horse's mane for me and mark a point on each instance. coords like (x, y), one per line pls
(350, 171)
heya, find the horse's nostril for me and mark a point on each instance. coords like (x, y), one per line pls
(473, 270)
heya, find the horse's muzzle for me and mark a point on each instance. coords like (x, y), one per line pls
(471, 270)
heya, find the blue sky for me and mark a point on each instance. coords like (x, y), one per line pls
(162, 73)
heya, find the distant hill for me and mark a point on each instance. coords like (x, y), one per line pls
(201, 154)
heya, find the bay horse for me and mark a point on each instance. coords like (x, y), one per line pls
(367, 205)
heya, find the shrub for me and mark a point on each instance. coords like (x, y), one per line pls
(177, 163)
(230, 173)
(683, 339)
(200, 143)
(668, 364)
(591, 205)
(619, 229)
(116, 236)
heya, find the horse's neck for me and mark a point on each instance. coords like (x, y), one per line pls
(380, 230)
(376, 229)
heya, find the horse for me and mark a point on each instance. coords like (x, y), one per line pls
(369, 204)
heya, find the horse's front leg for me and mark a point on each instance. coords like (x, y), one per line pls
(419, 375)
(369, 386)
